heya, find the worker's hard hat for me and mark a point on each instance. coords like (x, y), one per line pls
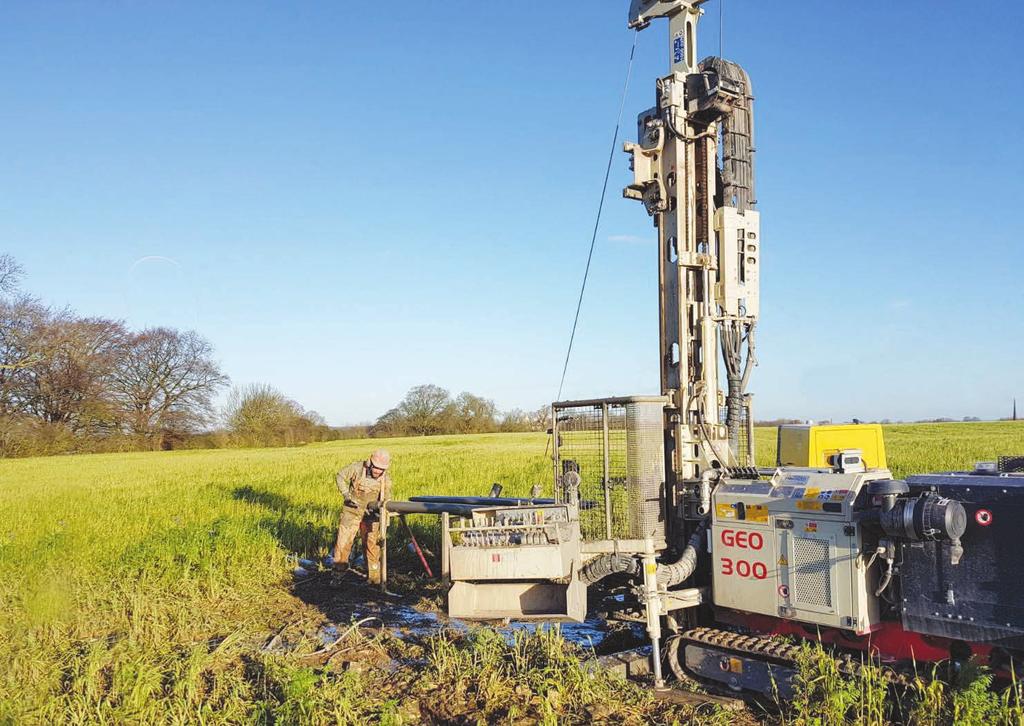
(381, 459)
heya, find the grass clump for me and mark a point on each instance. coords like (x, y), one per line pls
(966, 698)
(825, 696)
(538, 678)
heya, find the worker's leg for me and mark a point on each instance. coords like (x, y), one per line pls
(348, 527)
(369, 529)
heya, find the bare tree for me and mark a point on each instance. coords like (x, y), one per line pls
(390, 423)
(427, 410)
(10, 274)
(541, 419)
(164, 382)
(66, 377)
(475, 414)
(515, 419)
(260, 415)
(20, 347)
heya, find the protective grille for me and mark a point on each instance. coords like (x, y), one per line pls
(812, 574)
(618, 448)
(645, 470)
(742, 446)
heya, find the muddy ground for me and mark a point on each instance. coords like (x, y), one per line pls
(439, 670)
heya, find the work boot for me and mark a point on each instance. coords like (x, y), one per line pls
(341, 575)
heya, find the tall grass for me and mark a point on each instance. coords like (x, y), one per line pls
(824, 696)
(538, 678)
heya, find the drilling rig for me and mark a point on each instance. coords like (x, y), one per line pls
(659, 513)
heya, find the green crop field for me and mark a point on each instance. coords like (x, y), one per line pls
(139, 587)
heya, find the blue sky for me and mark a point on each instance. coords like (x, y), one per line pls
(348, 202)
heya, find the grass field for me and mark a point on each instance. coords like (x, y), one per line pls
(133, 586)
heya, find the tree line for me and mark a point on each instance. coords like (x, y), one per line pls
(70, 383)
(429, 410)
(74, 384)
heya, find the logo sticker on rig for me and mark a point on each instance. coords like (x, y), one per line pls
(983, 517)
(678, 46)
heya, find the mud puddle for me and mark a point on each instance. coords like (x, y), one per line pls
(414, 610)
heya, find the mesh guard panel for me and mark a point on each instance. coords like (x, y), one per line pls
(618, 448)
(812, 574)
(645, 470)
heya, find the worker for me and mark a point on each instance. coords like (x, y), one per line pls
(360, 483)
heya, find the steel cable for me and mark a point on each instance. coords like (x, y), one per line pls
(600, 208)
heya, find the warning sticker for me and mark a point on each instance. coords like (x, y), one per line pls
(783, 562)
(840, 494)
(809, 505)
(812, 493)
(751, 512)
(735, 665)
(757, 513)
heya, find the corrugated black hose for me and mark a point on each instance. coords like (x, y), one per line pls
(681, 569)
(605, 565)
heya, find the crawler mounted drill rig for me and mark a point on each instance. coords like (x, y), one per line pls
(659, 513)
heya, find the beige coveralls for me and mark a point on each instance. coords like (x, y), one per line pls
(359, 489)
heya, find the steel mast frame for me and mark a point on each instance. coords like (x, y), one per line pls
(674, 167)
(702, 281)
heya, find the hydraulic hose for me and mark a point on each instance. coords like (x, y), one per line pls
(681, 569)
(605, 565)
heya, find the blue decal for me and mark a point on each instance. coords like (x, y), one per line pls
(677, 49)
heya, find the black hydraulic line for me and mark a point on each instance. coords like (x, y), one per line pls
(605, 565)
(681, 569)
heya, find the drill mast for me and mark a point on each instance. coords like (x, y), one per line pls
(693, 171)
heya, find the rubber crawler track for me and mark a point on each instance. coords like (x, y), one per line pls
(775, 651)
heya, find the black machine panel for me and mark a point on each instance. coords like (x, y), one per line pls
(981, 599)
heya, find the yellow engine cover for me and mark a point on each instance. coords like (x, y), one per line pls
(805, 445)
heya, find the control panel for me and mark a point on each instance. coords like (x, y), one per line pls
(513, 527)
